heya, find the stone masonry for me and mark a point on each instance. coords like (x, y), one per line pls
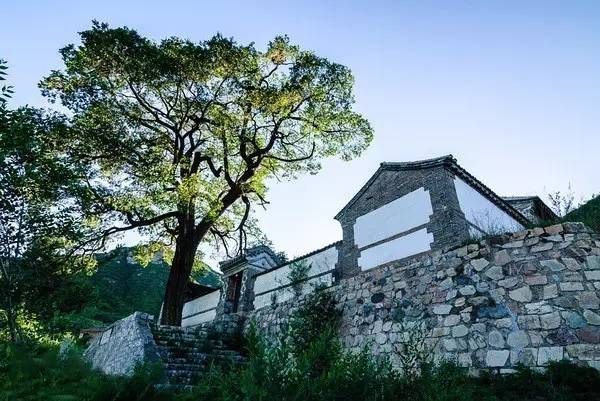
(527, 298)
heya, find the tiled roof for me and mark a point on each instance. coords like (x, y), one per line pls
(255, 250)
(306, 255)
(449, 162)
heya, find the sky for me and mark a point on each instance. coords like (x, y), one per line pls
(510, 88)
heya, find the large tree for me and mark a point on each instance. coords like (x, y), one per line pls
(181, 137)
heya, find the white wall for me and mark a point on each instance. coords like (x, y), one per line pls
(482, 213)
(201, 309)
(401, 247)
(286, 293)
(402, 214)
(320, 263)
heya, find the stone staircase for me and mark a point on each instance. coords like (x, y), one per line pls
(189, 352)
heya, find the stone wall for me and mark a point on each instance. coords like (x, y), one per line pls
(530, 298)
(123, 345)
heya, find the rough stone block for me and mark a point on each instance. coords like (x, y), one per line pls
(536, 280)
(479, 264)
(591, 317)
(465, 360)
(589, 300)
(553, 264)
(496, 359)
(522, 294)
(518, 339)
(502, 257)
(571, 286)
(550, 291)
(584, 351)
(451, 320)
(529, 322)
(525, 356)
(550, 321)
(495, 273)
(593, 275)
(460, 331)
(549, 354)
(574, 319)
(467, 290)
(449, 344)
(496, 339)
(555, 229)
(592, 262)
(509, 282)
(546, 246)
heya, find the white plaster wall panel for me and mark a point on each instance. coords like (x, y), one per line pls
(286, 293)
(482, 212)
(321, 262)
(201, 304)
(402, 214)
(401, 247)
(200, 318)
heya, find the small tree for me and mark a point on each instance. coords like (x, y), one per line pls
(182, 137)
(298, 273)
(562, 203)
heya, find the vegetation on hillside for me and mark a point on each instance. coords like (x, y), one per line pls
(123, 286)
(588, 213)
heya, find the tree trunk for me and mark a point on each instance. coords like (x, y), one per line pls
(13, 325)
(181, 268)
(186, 245)
(179, 275)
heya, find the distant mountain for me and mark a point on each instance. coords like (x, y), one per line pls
(588, 213)
(124, 286)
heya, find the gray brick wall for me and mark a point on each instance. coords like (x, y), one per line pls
(447, 224)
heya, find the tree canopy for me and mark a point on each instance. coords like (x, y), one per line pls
(182, 137)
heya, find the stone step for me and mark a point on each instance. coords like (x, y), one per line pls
(174, 387)
(188, 353)
(178, 343)
(183, 374)
(169, 366)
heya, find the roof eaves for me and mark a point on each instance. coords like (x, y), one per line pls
(306, 255)
(487, 192)
(397, 166)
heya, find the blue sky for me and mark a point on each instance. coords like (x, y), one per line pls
(510, 88)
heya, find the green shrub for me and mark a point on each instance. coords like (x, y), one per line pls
(42, 373)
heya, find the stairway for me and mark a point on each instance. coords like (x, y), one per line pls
(189, 352)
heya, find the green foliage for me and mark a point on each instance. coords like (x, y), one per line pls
(181, 137)
(316, 319)
(6, 91)
(38, 217)
(119, 286)
(42, 373)
(298, 273)
(588, 213)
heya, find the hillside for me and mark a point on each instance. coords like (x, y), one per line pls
(588, 213)
(123, 286)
